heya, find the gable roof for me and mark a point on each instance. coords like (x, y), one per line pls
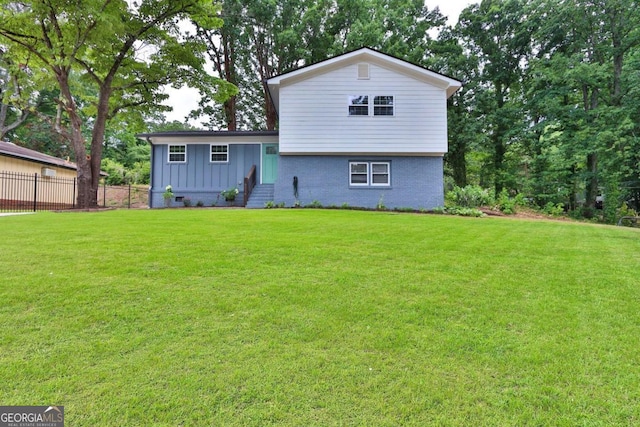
(364, 54)
(12, 150)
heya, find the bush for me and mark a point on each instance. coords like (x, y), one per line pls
(506, 204)
(471, 196)
(455, 210)
(115, 170)
(556, 209)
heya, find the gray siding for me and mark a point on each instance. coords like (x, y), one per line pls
(416, 182)
(198, 178)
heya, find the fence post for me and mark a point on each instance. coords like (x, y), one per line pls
(73, 203)
(104, 194)
(129, 205)
(35, 191)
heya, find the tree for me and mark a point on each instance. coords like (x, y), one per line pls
(123, 53)
(498, 33)
(580, 94)
(13, 99)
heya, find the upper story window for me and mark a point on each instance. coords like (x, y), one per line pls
(219, 153)
(359, 105)
(383, 105)
(177, 154)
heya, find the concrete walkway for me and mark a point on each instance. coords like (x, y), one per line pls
(15, 213)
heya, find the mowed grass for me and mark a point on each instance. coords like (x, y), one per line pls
(312, 317)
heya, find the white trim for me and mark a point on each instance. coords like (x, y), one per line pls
(388, 183)
(369, 174)
(350, 104)
(393, 106)
(366, 173)
(211, 153)
(169, 153)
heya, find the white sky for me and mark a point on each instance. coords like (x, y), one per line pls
(186, 99)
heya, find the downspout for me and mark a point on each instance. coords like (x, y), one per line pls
(150, 198)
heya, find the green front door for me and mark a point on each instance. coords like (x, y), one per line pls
(269, 163)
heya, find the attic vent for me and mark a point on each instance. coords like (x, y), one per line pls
(363, 71)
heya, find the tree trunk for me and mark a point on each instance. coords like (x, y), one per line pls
(592, 181)
(230, 76)
(270, 110)
(87, 192)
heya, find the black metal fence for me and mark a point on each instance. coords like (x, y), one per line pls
(21, 192)
(34, 192)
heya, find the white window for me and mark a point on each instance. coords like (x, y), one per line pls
(219, 153)
(380, 174)
(370, 173)
(383, 105)
(358, 105)
(177, 153)
(358, 173)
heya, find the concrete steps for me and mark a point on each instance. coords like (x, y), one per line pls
(260, 195)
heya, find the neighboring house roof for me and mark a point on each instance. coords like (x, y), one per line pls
(364, 54)
(12, 150)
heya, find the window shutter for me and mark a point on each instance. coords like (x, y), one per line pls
(363, 71)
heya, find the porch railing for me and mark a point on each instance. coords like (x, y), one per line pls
(249, 184)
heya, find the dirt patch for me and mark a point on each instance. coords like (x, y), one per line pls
(523, 213)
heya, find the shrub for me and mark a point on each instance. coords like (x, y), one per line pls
(506, 204)
(115, 170)
(199, 204)
(270, 204)
(456, 210)
(556, 209)
(186, 202)
(314, 204)
(471, 196)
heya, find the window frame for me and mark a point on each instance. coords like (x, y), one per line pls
(211, 153)
(385, 106)
(387, 173)
(351, 174)
(351, 104)
(369, 173)
(169, 153)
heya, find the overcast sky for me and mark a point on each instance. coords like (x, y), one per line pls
(186, 99)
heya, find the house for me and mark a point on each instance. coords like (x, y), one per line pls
(14, 158)
(35, 181)
(362, 129)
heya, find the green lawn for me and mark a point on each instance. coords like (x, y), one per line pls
(313, 317)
